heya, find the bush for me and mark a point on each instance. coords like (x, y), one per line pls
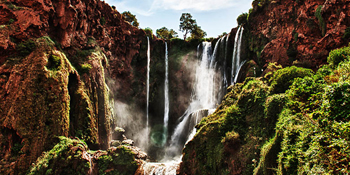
(242, 19)
(337, 101)
(149, 32)
(26, 47)
(337, 56)
(283, 78)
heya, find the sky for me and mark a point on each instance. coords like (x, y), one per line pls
(214, 16)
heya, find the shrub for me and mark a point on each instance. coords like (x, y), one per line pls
(337, 56)
(283, 78)
(337, 101)
(242, 19)
(26, 47)
(321, 21)
(149, 32)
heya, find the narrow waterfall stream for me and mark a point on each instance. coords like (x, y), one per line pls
(236, 57)
(148, 70)
(166, 93)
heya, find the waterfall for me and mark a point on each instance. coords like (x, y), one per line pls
(225, 62)
(148, 70)
(236, 58)
(203, 99)
(166, 93)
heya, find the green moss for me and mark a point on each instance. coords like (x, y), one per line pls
(71, 151)
(321, 21)
(283, 78)
(26, 47)
(85, 68)
(120, 161)
(103, 21)
(337, 56)
(53, 62)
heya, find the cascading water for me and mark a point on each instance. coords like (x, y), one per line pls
(209, 84)
(148, 70)
(166, 93)
(226, 50)
(236, 57)
(203, 98)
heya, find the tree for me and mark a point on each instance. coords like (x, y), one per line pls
(187, 24)
(165, 33)
(197, 32)
(129, 17)
(149, 32)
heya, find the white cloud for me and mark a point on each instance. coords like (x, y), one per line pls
(198, 5)
(141, 7)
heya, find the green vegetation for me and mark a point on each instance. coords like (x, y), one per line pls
(66, 157)
(120, 161)
(293, 121)
(347, 33)
(189, 25)
(321, 21)
(85, 68)
(11, 21)
(103, 21)
(149, 32)
(242, 18)
(165, 33)
(54, 62)
(26, 47)
(129, 17)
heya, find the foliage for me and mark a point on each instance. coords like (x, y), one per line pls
(242, 18)
(149, 32)
(26, 47)
(165, 33)
(321, 21)
(120, 161)
(283, 78)
(337, 101)
(187, 24)
(129, 17)
(337, 56)
(64, 158)
(54, 62)
(197, 33)
(300, 126)
(346, 33)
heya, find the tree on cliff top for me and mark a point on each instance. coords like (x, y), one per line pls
(187, 24)
(129, 17)
(165, 33)
(198, 33)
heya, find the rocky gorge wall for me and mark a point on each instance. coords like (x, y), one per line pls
(64, 64)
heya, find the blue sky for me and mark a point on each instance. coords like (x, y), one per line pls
(214, 16)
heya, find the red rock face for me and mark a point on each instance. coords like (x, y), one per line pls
(291, 26)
